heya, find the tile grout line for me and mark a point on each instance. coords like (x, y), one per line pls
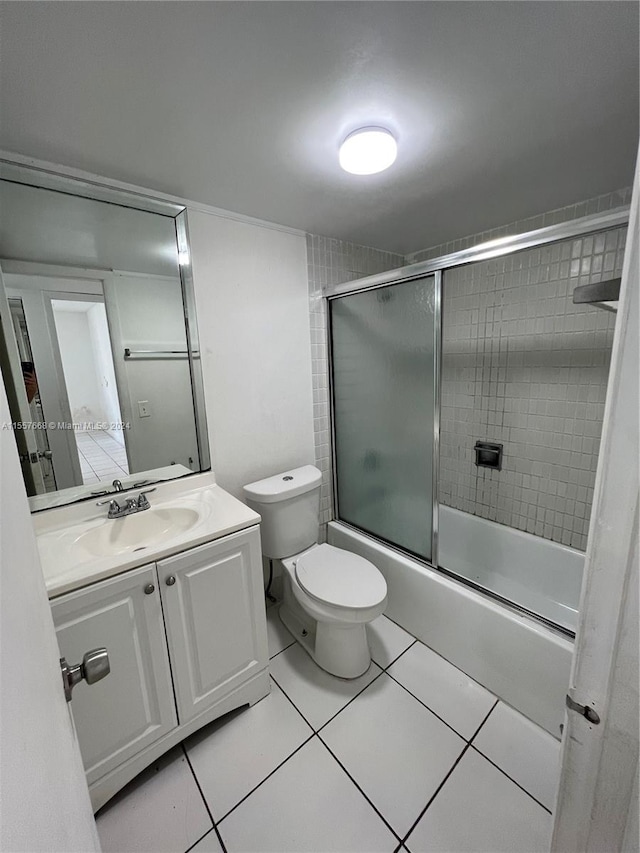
(268, 776)
(353, 698)
(290, 700)
(367, 798)
(204, 800)
(397, 658)
(435, 794)
(382, 672)
(430, 710)
(281, 650)
(491, 710)
(202, 837)
(517, 784)
(497, 766)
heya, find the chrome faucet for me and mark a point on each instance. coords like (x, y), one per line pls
(117, 485)
(132, 505)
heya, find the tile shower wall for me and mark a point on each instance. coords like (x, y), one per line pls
(331, 261)
(524, 367)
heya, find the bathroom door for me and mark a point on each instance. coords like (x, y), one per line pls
(597, 804)
(384, 360)
(44, 798)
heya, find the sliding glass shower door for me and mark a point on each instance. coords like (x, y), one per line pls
(384, 357)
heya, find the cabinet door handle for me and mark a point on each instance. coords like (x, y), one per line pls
(149, 588)
(95, 665)
(170, 580)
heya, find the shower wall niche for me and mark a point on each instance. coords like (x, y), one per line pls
(524, 367)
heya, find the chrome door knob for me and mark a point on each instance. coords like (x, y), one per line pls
(170, 580)
(149, 588)
(94, 667)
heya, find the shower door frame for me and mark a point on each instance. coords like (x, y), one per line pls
(575, 228)
(437, 360)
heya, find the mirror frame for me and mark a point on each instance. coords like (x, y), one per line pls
(42, 178)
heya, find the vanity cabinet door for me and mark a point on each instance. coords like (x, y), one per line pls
(214, 613)
(133, 706)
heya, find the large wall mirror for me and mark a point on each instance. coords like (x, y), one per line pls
(98, 339)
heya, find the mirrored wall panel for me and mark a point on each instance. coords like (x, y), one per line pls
(384, 362)
(95, 352)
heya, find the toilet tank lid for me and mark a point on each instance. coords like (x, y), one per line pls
(283, 486)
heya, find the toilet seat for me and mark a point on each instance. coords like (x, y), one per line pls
(333, 576)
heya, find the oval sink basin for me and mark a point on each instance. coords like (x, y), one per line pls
(136, 532)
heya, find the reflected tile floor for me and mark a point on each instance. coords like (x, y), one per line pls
(101, 456)
(414, 756)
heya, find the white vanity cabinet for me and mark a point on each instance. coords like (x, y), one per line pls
(210, 596)
(191, 626)
(133, 706)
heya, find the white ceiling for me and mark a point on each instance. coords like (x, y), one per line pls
(501, 110)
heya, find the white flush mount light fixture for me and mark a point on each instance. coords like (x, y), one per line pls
(367, 151)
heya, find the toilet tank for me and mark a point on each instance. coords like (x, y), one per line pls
(289, 504)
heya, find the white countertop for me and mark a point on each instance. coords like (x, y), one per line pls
(66, 566)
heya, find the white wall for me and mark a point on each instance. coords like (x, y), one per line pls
(147, 313)
(253, 320)
(78, 363)
(101, 344)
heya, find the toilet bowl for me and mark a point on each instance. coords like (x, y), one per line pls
(329, 594)
(329, 597)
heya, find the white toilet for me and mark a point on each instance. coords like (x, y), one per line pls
(329, 594)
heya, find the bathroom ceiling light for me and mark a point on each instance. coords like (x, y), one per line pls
(367, 151)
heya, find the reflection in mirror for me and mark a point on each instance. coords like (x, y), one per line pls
(96, 354)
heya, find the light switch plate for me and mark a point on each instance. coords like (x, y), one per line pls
(144, 408)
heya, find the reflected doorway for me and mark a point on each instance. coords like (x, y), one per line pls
(82, 334)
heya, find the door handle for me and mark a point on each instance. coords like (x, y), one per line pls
(94, 667)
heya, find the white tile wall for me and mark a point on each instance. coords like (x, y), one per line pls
(525, 367)
(332, 261)
(542, 500)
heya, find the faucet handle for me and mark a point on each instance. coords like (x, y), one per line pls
(114, 506)
(108, 501)
(143, 503)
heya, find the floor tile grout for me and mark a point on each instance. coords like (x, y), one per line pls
(367, 798)
(397, 658)
(431, 711)
(337, 712)
(268, 776)
(208, 832)
(282, 650)
(353, 698)
(504, 773)
(290, 700)
(435, 794)
(491, 709)
(204, 800)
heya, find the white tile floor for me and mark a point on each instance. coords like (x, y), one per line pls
(413, 756)
(101, 456)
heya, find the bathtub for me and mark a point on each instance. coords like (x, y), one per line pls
(537, 574)
(514, 656)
